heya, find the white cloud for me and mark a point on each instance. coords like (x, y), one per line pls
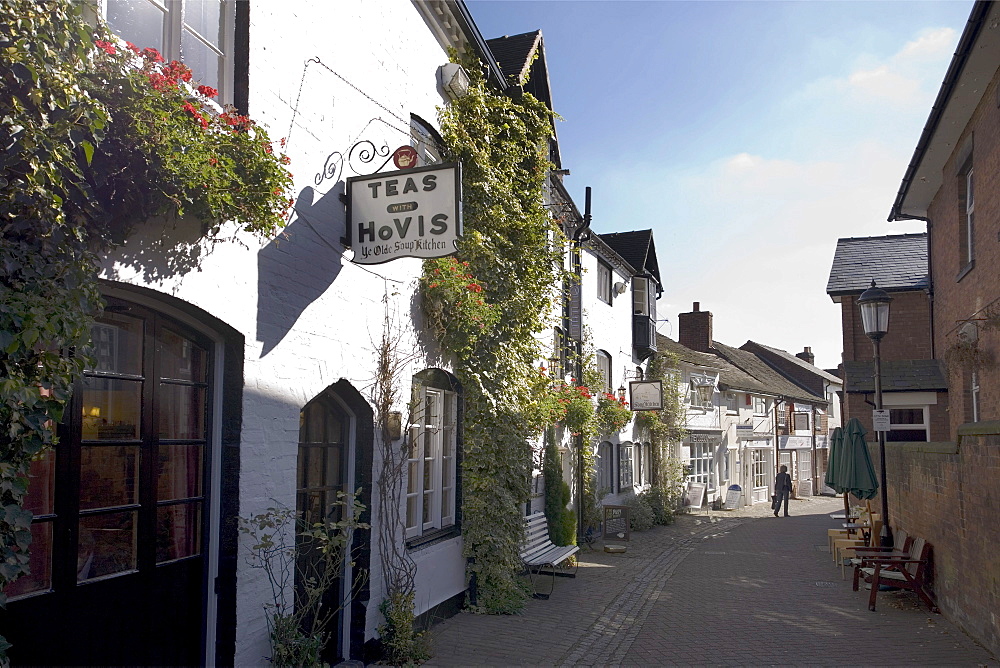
(902, 79)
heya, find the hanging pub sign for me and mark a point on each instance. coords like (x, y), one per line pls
(408, 213)
(646, 395)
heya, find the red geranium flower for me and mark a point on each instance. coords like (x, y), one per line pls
(207, 91)
(107, 47)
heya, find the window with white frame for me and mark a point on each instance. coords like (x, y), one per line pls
(604, 282)
(625, 470)
(432, 461)
(758, 468)
(760, 406)
(603, 361)
(731, 406)
(800, 422)
(198, 33)
(426, 140)
(908, 424)
(974, 391)
(701, 463)
(640, 295)
(968, 199)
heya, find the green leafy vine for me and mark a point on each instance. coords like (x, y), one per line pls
(512, 252)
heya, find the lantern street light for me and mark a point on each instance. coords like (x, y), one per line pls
(874, 304)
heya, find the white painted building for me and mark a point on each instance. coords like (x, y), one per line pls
(256, 358)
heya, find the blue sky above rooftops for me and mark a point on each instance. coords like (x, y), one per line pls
(749, 136)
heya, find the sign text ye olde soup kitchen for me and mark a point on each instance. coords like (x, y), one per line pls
(407, 213)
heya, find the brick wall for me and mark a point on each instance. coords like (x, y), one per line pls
(909, 334)
(694, 329)
(959, 296)
(949, 495)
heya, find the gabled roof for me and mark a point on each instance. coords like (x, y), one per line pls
(515, 53)
(798, 361)
(897, 263)
(739, 370)
(968, 76)
(768, 377)
(637, 249)
(522, 59)
(729, 375)
(897, 376)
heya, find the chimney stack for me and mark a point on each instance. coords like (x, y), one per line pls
(807, 355)
(695, 329)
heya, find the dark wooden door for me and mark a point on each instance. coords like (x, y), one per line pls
(121, 506)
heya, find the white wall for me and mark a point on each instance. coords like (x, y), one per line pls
(310, 316)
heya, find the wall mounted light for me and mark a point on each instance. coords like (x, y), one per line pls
(454, 80)
(620, 288)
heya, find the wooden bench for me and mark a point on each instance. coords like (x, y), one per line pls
(539, 552)
(905, 569)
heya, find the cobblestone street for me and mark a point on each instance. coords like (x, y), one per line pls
(715, 588)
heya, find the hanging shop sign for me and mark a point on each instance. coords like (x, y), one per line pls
(646, 395)
(408, 213)
(744, 431)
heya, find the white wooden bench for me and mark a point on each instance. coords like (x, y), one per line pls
(539, 552)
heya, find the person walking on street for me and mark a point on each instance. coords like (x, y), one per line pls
(782, 488)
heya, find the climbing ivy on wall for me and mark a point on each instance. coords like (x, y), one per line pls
(97, 135)
(665, 427)
(511, 253)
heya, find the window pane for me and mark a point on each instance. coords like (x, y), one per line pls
(640, 302)
(110, 409)
(313, 467)
(204, 17)
(412, 478)
(918, 435)
(117, 344)
(40, 563)
(906, 415)
(181, 358)
(177, 531)
(107, 545)
(204, 62)
(182, 411)
(179, 473)
(137, 21)
(411, 512)
(108, 475)
(41, 479)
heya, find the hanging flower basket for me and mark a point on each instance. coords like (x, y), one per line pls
(613, 414)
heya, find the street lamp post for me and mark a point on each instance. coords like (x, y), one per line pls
(874, 304)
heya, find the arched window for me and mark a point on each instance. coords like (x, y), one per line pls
(605, 468)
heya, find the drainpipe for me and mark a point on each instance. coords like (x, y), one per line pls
(579, 235)
(815, 477)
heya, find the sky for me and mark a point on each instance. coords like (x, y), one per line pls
(749, 136)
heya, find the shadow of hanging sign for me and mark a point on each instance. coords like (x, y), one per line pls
(408, 213)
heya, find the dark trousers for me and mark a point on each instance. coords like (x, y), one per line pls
(782, 496)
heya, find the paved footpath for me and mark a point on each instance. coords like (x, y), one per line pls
(739, 588)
